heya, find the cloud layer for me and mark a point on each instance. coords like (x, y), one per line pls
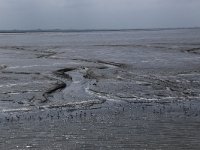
(93, 14)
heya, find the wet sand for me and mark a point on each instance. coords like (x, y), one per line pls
(100, 90)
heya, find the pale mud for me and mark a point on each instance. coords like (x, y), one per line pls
(105, 90)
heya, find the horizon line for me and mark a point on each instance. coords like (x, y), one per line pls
(91, 30)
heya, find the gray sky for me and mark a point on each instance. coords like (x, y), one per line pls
(94, 14)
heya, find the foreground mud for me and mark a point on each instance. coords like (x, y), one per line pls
(110, 90)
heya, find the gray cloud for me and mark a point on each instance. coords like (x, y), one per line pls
(82, 14)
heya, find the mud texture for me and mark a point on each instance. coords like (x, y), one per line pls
(100, 90)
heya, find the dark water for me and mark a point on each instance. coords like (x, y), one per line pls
(100, 90)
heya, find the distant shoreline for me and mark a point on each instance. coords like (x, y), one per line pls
(89, 30)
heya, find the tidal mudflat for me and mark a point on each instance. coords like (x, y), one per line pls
(136, 89)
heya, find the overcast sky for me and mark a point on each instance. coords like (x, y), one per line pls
(96, 14)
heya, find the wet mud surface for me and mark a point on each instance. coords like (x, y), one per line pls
(104, 90)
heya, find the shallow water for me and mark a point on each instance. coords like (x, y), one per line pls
(100, 90)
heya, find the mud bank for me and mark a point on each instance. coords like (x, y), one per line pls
(108, 90)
